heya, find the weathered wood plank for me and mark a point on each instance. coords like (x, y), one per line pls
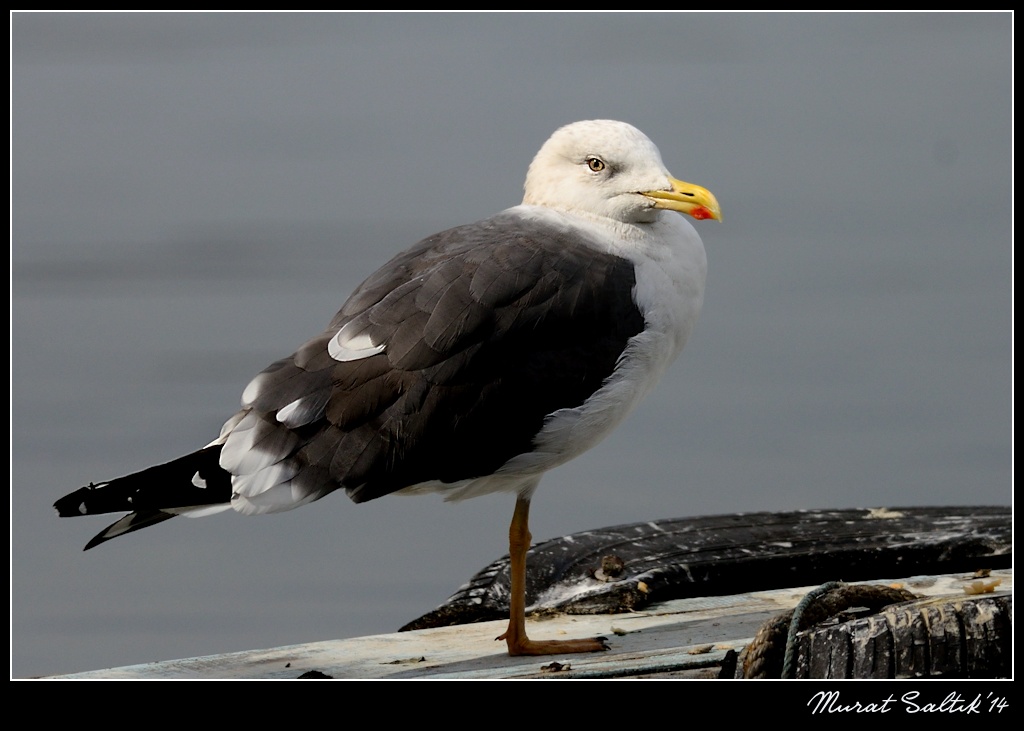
(988, 636)
(727, 554)
(696, 637)
(944, 640)
(951, 637)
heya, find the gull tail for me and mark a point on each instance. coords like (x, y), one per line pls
(194, 484)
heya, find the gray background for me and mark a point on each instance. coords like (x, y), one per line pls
(195, 195)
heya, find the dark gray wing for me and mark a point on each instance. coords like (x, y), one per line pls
(470, 339)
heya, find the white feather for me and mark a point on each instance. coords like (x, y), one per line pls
(350, 345)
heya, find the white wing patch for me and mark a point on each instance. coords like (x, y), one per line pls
(255, 444)
(349, 344)
(198, 512)
(275, 499)
(251, 392)
(285, 414)
(304, 410)
(262, 480)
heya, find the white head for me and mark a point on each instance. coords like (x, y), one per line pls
(610, 169)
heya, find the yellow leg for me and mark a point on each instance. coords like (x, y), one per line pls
(515, 636)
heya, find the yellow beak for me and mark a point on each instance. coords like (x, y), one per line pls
(687, 198)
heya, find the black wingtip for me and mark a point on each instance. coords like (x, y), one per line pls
(76, 503)
(129, 523)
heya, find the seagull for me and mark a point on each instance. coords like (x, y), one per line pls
(471, 363)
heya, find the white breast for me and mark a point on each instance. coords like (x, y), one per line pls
(670, 265)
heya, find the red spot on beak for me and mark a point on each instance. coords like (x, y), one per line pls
(700, 213)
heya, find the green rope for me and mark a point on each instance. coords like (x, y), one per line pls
(789, 664)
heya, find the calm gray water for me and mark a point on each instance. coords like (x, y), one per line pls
(195, 195)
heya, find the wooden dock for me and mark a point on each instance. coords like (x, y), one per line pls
(698, 638)
(959, 625)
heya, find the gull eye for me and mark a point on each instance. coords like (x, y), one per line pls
(596, 164)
